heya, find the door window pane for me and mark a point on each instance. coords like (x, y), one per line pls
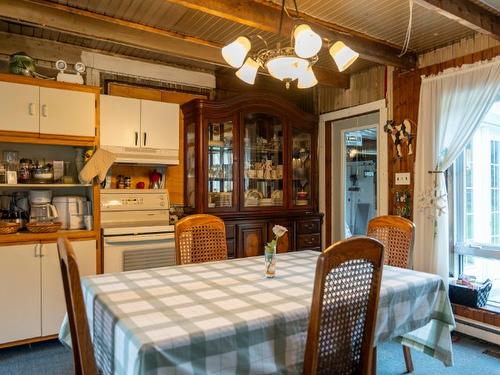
(360, 179)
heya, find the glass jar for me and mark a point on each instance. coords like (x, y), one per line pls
(25, 166)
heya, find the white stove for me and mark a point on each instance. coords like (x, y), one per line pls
(135, 229)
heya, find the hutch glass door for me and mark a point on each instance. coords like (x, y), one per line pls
(220, 164)
(263, 160)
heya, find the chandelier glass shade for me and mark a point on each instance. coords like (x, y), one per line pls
(343, 55)
(289, 63)
(308, 79)
(307, 42)
(234, 53)
(248, 71)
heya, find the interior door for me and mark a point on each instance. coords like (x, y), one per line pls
(19, 107)
(356, 158)
(160, 125)
(120, 121)
(19, 292)
(53, 302)
(67, 112)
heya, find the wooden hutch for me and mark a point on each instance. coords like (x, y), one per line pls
(252, 160)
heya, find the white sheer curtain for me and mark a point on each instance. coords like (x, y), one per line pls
(452, 106)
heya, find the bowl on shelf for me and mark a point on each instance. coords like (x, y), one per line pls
(302, 195)
(43, 227)
(8, 228)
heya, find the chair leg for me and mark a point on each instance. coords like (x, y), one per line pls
(408, 361)
(374, 361)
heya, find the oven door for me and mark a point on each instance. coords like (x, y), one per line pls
(135, 252)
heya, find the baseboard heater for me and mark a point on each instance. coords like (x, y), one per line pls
(483, 331)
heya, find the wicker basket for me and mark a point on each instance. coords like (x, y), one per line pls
(41, 227)
(463, 295)
(8, 228)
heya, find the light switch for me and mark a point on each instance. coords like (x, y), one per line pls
(402, 178)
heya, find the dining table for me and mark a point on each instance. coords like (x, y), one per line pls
(226, 317)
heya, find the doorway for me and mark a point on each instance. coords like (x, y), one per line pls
(353, 165)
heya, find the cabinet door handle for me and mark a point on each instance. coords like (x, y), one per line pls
(145, 135)
(41, 251)
(36, 248)
(30, 109)
(44, 110)
(136, 138)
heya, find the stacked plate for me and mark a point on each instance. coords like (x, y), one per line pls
(225, 199)
(266, 202)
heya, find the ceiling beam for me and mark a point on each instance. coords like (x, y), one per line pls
(467, 13)
(96, 26)
(265, 16)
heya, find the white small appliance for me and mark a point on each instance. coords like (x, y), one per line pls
(135, 229)
(41, 208)
(71, 210)
(40, 196)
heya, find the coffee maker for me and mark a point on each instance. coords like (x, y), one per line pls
(41, 209)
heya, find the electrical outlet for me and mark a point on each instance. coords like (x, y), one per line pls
(402, 178)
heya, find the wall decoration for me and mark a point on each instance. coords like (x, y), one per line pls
(400, 134)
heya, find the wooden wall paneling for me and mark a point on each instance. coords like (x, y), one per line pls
(328, 183)
(175, 173)
(406, 94)
(365, 86)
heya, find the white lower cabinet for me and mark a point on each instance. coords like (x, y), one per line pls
(20, 292)
(53, 302)
(31, 291)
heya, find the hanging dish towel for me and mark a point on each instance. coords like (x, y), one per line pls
(98, 165)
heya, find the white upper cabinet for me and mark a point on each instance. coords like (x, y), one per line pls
(67, 112)
(53, 302)
(20, 292)
(159, 125)
(127, 122)
(120, 121)
(19, 107)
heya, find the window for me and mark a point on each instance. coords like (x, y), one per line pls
(477, 205)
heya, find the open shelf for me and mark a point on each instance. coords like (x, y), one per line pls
(30, 237)
(41, 186)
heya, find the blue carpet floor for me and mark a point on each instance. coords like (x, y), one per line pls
(51, 358)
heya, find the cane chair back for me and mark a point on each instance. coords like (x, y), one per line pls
(397, 234)
(200, 238)
(83, 351)
(343, 309)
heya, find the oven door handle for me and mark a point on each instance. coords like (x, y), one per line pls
(140, 238)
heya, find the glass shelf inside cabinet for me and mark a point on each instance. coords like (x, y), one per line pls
(301, 168)
(263, 160)
(220, 164)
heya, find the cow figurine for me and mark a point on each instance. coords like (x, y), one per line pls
(400, 134)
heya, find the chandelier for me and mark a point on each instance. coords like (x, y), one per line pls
(288, 63)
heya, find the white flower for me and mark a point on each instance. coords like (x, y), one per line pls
(279, 231)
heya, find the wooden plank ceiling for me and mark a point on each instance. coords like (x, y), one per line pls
(382, 22)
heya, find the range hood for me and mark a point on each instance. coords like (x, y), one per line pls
(143, 155)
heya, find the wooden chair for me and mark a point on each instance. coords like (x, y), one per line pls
(344, 308)
(83, 351)
(200, 238)
(397, 234)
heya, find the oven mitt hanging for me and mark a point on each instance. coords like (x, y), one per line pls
(98, 165)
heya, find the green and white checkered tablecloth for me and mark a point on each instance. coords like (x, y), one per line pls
(226, 318)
